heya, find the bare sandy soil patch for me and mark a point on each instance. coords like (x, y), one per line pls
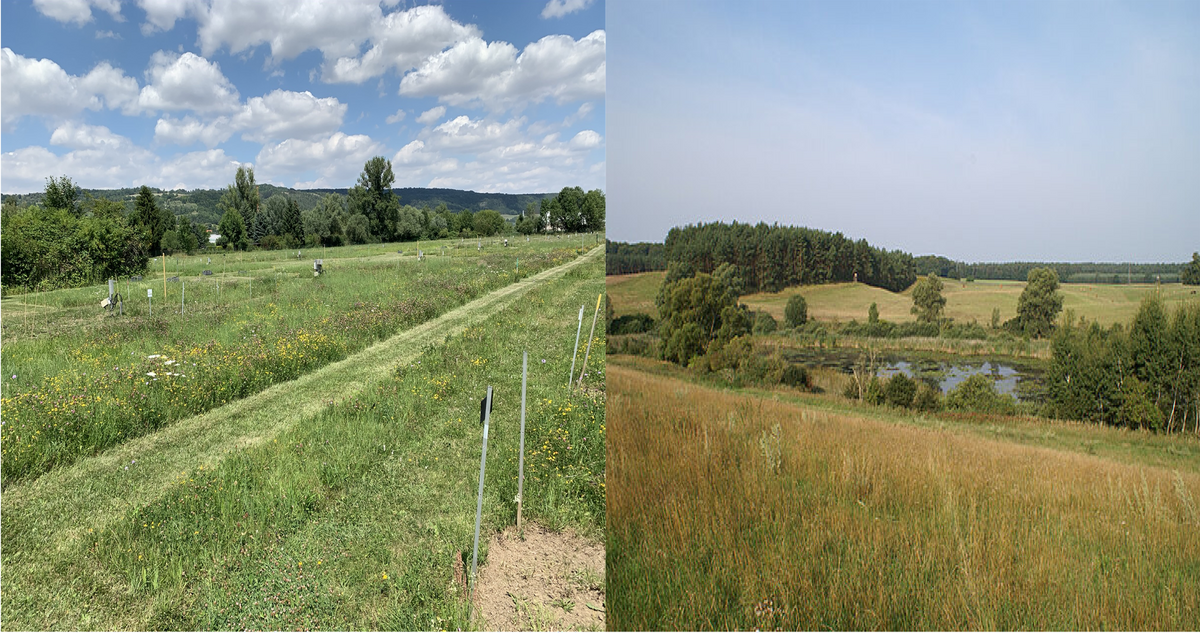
(549, 581)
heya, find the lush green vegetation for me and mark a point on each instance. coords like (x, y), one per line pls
(624, 259)
(1191, 274)
(1144, 375)
(77, 382)
(341, 500)
(771, 258)
(773, 510)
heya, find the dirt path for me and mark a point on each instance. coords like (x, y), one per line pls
(45, 518)
(548, 581)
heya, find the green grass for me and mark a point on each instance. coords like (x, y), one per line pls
(1105, 303)
(77, 382)
(966, 302)
(749, 509)
(631, 294)
(288, 508)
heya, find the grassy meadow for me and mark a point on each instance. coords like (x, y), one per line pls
(343, 499)
(777, 510)
(78, 380)
(1104, 303)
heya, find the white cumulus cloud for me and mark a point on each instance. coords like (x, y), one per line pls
(340, 156)
(559, 8)
(77, 11)
(431, 115)
(186, 82)
(40, 87)
(401, 40)
(555, 67)
(397, 117)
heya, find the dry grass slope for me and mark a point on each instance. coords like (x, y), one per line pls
(733, 511)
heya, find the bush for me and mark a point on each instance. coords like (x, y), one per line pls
(796, 313)
(764, 323)
(927, 399)
(632, 324)
(977, 393)
(874, 392)
(899, 391)
(795, 376)
(646, 345)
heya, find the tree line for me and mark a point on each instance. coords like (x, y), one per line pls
(769, 258)
(621, 258)
(72, 238)
(371, 212)
(1088, 272)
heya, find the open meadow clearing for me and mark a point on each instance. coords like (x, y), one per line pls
(78, 380)
(340, 497)
(777, 510)
(965, 301)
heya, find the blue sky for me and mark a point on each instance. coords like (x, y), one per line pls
(983, 131)
(487, 96)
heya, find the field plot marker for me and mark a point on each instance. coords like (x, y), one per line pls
(591, 334)
(487, 416)
(150, 300)
(578, 330)
(182, 295)
(521, 458)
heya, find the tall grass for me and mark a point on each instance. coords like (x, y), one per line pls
(734, 511)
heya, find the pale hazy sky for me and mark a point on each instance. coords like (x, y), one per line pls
(1065, 131)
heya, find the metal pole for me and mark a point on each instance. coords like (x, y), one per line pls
(487, 416)
(521, 455)
(182, 295)
(578, 331)
(590, 335)
(164, 258)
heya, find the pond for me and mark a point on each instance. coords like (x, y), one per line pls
(1022, 380)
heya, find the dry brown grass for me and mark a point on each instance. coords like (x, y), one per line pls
(734, 511)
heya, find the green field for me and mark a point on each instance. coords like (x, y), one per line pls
(339, 498)
(1104, 303)
(77, 380)
(777, 510)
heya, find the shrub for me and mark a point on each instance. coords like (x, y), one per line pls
(796, 313)
(927, 399)
(977, 393)
(795, 376)
(900, 390)
(632, 324)
(764, 323)
(874, 392)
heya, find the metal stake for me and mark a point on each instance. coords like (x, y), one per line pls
(521, 458)
(487, 416)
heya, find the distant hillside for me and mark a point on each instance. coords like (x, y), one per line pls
(457, 200)
(200, 205)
